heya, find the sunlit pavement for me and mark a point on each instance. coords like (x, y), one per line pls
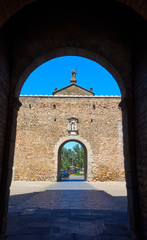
(74, 178)
(68, 210)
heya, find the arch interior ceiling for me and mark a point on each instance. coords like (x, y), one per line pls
(9, 7)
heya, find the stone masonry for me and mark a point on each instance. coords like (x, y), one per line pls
(43, 126)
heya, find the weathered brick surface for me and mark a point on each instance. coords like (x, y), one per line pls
(4, 91)
(4, 94)
(141, 128)
(43, 121)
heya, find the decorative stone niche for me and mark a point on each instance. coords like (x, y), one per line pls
(73, 126)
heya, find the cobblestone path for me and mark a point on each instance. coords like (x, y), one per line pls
(85, 212)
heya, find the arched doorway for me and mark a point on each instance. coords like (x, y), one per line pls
(92, 117)
(123, 96)
(88, 158)
(98, 42)
(73, 165)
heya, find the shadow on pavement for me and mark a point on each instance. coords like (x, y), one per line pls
(64, 224)
(69, 199)
(67, 214)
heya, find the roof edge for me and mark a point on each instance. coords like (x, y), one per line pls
(70, 86)
(71, 96)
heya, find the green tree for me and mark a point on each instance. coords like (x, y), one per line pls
(67, 156)
(73, 157)
(79, 156)
(65, 164)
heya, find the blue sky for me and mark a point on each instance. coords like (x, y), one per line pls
(56, 73)
(70, 145)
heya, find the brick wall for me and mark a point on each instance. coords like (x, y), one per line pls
(43, 121)
(4, 94)
(4, 91)
(141, 127)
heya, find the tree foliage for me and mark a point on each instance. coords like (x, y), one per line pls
(73, 157)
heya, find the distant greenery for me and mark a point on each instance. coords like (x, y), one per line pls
(78, 174)
(73, 157)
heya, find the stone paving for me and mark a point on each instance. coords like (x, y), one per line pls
(51, 211)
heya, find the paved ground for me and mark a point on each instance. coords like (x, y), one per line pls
(68, 210)
(74, 178)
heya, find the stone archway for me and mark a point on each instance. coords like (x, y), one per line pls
(125, 105)
(87, 155)
(107, 35)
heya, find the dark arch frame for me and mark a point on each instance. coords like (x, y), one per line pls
(100, 35)
(85, 158)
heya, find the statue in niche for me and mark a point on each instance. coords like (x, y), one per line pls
(73, 126)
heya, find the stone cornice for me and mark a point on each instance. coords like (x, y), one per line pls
(69, 96)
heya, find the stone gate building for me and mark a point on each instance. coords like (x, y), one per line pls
(114, 34)
(46, 123)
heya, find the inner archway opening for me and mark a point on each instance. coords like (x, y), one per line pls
(91, 100)
(47, 123)
(72, 162)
